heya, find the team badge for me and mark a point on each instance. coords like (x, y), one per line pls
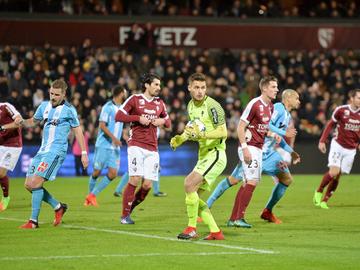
(42, 166)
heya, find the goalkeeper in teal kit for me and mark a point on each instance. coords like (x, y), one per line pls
(212, 156)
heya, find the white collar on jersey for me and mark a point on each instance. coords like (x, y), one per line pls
(263, 102)
(354, 111)
(148, 100)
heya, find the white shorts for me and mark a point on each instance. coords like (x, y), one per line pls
(286, 156)
(253, 170)
(9, 156)
(142, 162)
(341, 157)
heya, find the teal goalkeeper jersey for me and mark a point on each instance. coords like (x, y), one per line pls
(212, 115)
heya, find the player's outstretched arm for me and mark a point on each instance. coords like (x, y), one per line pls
(12, 125)
(80, 138)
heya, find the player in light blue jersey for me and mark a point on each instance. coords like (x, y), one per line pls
(273, 163)
(59, 117)
(107, 146)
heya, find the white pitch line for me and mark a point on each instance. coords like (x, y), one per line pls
(124, 255)
(204, 243)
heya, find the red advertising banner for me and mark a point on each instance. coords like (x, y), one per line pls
(241, 36)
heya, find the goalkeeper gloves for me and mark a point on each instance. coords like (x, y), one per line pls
(194, 133)
(178, 140)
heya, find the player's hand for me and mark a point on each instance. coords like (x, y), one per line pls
(295, 158)
(291, 132)
(322, 147)
(158, 122)
(193, 132)
(144, 121)
(277, 138)
(247, 155)
(116, 142)
(85, 161)
(19, 121)
(176, 141)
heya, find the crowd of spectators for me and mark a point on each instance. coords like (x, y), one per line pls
(323, 80)
(211, 8)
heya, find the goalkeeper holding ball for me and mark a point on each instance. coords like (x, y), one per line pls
(212, 156)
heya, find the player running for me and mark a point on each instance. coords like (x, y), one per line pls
(273, 164)
(346, 120)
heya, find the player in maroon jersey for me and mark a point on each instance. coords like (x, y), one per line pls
(252, 129)
(145, 112)
(10, 148)
(346, 120)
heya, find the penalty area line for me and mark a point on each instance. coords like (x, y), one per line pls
(151, 236)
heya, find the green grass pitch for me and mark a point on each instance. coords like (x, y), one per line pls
(93, 238)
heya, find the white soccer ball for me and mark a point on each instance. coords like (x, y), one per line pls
(198, 123)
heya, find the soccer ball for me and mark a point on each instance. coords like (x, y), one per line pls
(198, 123)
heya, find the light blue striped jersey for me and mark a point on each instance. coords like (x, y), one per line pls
(280, 120)
(107, 115)
(57, 124)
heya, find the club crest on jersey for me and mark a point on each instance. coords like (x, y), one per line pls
(346, 113)
(142, 102)
(261, 107)
(42, 166)
(265, 118)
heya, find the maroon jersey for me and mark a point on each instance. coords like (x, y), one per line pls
(257, 115)
(9, 137)
(140, 135)
(347, 132)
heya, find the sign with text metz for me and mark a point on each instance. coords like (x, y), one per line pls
(240, 36)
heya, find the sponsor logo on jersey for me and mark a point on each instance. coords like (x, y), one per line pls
(215, 116)
(149, 111)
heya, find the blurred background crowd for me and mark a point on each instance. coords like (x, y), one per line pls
(212, 8)
(323, 79)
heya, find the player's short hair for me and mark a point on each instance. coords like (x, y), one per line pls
(288, 93)
(353, 93)
(265, 81)
(59, 84)
(117, 90)
(197, 77)
(148, 78)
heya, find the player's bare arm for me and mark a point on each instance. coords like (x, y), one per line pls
(241, 134)
(80, 138)
(12, 125)
(291, 132)
(104, 128)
